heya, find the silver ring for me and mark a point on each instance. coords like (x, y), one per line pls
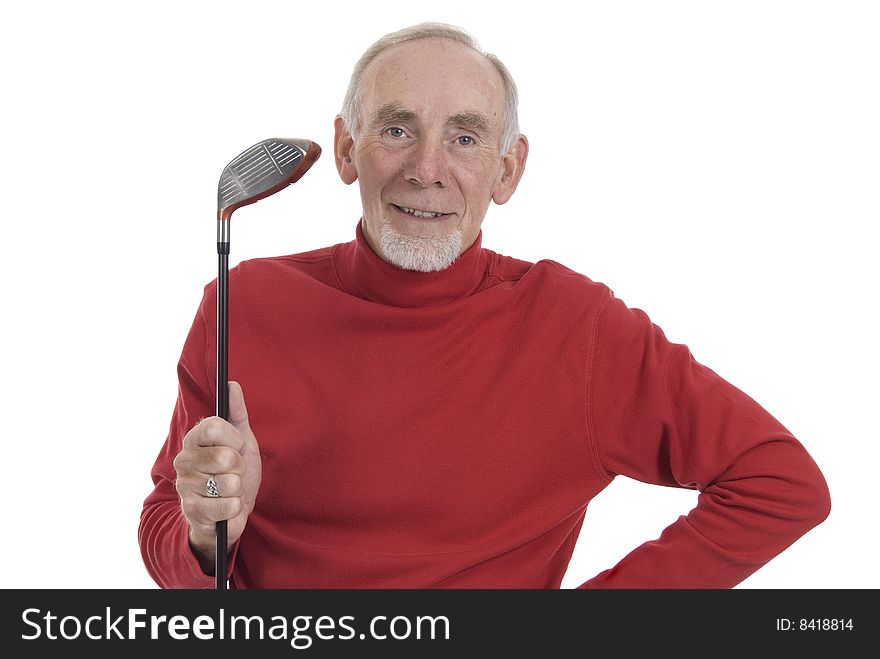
(211, 487)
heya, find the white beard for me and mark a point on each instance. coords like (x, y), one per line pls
(420, 254)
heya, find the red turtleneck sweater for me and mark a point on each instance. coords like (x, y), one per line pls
(449, 429)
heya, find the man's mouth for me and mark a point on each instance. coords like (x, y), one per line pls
(419, 213)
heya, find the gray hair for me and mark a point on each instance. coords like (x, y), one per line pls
(353, 97)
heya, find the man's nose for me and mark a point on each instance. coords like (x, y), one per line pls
(426, 164)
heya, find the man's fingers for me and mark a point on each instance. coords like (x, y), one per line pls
(213, 431)
(235, 433)
(227, 450)
(203, 512)
(227, 484)
(209, 460)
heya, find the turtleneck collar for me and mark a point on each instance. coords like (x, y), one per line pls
(364, 274)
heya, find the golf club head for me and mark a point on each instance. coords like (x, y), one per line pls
(263, 170)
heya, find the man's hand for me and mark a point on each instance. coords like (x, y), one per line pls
(228, 451)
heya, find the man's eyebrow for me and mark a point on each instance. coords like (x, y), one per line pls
(392, 112)
(472, 120)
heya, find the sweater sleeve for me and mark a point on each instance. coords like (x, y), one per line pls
(659, 416)
(163, 530)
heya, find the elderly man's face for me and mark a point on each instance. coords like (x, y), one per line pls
(428, 153)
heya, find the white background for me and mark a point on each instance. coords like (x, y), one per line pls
(715, 163)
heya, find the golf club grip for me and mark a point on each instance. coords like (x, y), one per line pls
(222, 393)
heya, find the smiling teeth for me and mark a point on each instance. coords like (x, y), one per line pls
(418, 213)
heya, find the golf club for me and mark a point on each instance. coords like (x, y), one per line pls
(260, 171)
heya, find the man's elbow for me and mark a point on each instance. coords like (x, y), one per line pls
(808, 496)
(792, 491)
(817, 502)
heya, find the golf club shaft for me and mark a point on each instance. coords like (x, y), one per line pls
(222, 387)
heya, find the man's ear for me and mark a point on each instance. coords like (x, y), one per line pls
(513, 165)
(343, 144)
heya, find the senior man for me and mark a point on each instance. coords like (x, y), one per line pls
(423, 412)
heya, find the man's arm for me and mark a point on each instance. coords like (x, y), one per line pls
(659, 416)
(163, 533)
(177, 553)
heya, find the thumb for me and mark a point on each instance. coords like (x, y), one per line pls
(238, 414)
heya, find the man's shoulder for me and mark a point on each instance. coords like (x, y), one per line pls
(314, 255)
(546, 273)
(312, 265)
(304, 259)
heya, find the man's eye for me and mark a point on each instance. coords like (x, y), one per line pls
(395, 132)
(465, 140)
